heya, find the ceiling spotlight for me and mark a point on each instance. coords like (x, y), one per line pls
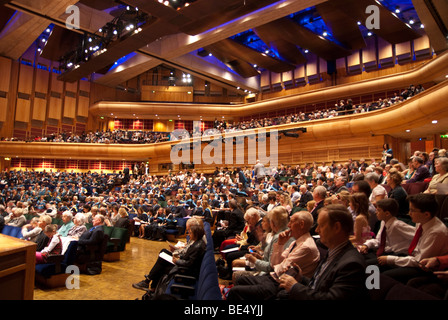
(255, 66)
(422, 26)
(359, 23)
(306, 51)
(369, 33)
(411, 21)
(48, 30)
(434, 121)
(397, 10)
(325, 33)
(210, 54)
(408, 130)
(267, 52)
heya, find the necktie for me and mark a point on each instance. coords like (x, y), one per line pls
(320, 268)
(414, 242)
(382, 246)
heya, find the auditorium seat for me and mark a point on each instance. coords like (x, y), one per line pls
(206, 287)
(53, 273)
(116, 243)
(15, 232)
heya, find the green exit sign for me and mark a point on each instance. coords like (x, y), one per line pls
(444, 136)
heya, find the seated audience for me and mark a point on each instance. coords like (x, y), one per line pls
(32, 230)
(16, 218)
(359, 205)
(303, 251)
(67, 224)
(341, 273)
(54, 246)
(188, 257)
(78, 228)
(397, 192)
(394, 236)
(441, 178)
(91, 240)
(430, 240)
(421, 171)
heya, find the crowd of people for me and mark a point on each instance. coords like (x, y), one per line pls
(343, 107)
(284, 225)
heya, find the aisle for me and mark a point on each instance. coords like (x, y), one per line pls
(115, 282)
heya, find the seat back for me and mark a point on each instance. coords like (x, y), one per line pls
(122, 234)
(12, 231)
(208, 284)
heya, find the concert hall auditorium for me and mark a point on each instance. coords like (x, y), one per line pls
(210, 150)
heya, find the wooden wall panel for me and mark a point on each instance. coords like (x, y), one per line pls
(276, 78)
(56, 85)
(265, 79)
(3, 109)
(83, 107)
(41, 83)
(26, 79)
(422, 43)
(311, 65)
(299, 72)
(287, 76)
(84, 85)
(5, 78)
(55, 108)
(353, 59)
(23, 110)
(403, 48)
(69, 107)
(39, 109)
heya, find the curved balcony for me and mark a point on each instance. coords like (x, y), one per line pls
(350, 131)
(434, 70)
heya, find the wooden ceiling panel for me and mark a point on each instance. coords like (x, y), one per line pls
(60, 42)
(232, 48)
(287, 50)
(392, 29)
(343, 27)
(306, 39)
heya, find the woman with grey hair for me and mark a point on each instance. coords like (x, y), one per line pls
(378, 191)
(67, 218)
(441, 178)
(79, 226)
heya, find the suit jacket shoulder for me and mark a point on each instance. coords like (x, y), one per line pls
(343, 279)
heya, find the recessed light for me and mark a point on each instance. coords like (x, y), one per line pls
(408, 130)
(434, 121)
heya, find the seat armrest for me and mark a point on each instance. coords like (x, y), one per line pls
(116, 242)
(183, 279)
(182, 290)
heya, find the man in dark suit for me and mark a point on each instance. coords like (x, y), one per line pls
(340, 275)
(235, 225)
(319, 195)
(306, 196)
(92, 240)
